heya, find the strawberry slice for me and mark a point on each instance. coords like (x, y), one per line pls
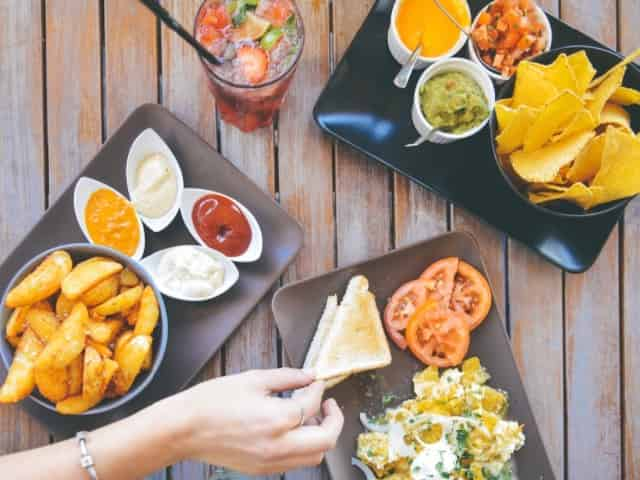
(254, 63)
(275, 11)
(217, 17)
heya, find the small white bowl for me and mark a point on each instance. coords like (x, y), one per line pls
(463, 65)
(85, 187)
(497, 78)
(231, 273)
(401, 52)
(148, 143)
(191, 195)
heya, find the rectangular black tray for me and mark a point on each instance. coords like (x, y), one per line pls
(361, 107)
(196, 330)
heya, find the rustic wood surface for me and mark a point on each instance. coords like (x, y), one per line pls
(72, 70)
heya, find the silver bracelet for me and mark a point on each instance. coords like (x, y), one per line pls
(86, 460)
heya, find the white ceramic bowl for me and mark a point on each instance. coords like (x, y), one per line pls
(148, 143)
(424, 128)
(401, 53)
(85, 186)
(231, 273)
(191, 195)
(499, 79)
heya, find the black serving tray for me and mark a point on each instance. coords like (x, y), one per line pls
(361, 107)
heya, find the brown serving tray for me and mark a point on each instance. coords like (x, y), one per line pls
(196, 330)
(298, 307)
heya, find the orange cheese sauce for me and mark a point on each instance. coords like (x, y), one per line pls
(440, 34)
(111, 221)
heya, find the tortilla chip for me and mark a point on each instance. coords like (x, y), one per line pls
(582, 69)
(555, 115)
(560, 74)
(504, 115)
(531, 87)
(588, 160)
(544, 164)
(616, 115)
(581, 122)
(621, 64)
(619, 174)
(513, 136)
(626, 96)
(577, 193)
(604, 91)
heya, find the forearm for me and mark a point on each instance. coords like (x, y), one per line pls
(128, 449)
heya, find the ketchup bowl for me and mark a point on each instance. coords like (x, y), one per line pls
(221, 223)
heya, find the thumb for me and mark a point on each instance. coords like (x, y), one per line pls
(283, 379)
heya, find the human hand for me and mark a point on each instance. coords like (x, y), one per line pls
(237, 422)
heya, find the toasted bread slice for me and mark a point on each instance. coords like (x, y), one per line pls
(326, 321)
(355, 341)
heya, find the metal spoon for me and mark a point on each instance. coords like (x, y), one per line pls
(421, 140)
(401, 80)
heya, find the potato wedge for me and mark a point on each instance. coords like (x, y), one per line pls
(75, 375)
(130, 358)
(102, 292)
(148, 313)
(43, 282)
(43, 305)
(104, 331)
(87, 275)
(92, 373)
(17, 322)
(43, 323)
(132, 316)
(67, 342)
(120, 303)
(102, 349)
(122, 340)
(128, 278)
(63, 306)
(20, 379)
(53, 383)
(148, 361)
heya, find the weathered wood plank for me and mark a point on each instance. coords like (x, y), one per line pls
(185, 93)
(22, 155)
(629, 37)
(592, 307)
(363, 200)
(131, 60)
(536, 321)
(418, 213)
(74, 115)
(306, 163)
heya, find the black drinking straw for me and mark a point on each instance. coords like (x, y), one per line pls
(160, 12)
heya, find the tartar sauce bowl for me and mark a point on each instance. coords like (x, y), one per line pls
(231, 274)
(80, 252)
(85, 187)
(401, 52)
(146, 144)
(189, 198)
(424, 128)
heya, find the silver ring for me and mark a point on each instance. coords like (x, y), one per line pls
(302, 419)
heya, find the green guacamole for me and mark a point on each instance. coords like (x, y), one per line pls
(453, 102)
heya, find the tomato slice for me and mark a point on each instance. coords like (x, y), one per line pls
(439, 277)
(471, 294)
(438, 337)
(404, 302)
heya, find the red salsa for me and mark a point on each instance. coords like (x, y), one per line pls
(221, 224)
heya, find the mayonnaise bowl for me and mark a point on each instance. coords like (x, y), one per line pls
(154, 177)
(191, 273)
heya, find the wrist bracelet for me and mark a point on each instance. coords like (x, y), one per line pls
(86, 461)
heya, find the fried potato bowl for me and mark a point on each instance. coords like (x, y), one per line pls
(67, 349)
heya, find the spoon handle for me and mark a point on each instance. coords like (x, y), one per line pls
(442, 8)
(402, 78)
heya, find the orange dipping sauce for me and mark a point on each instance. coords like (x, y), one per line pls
(440, 34)
(111, 221)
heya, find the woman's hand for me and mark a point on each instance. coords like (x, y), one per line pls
(239, 423)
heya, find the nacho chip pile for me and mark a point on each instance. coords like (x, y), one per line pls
(566, 134)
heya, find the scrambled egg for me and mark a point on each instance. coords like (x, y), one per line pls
(454, 429)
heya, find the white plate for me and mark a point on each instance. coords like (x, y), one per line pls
(85, 186)
(191, 195)
(148, 143)
(231, 273)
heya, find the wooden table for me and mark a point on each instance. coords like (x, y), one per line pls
(72, 70)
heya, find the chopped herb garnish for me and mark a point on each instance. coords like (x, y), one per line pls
(388, 398)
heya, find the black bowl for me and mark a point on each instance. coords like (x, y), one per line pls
(79, 252)
(602, 60)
